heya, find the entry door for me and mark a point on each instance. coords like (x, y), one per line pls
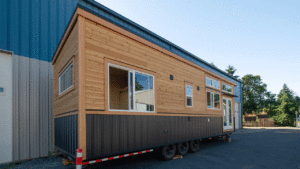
(227, 114)
(237, 116)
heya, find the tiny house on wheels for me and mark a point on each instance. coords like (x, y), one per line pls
(116, 92)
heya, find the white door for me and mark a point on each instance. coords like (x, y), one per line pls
(237, 116)
(227, 114)
(5, 108)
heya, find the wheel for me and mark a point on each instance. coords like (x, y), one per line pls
(182, 148)
(194, 146)
(168, 152)
(227, 139)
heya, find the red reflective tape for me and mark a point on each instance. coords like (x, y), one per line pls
(85, 163)
(121, 156)
(110, 158)
(97, 161)
(78, 160)
(140, 152)
(79, 150)
(148, 151)
(131, 154)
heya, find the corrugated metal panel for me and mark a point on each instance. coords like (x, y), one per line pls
(66, 134)
(25, 26)
(33, 115)
(116, 134)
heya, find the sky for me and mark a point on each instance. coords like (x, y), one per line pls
(258, 37)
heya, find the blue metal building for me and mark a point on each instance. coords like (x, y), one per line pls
(30, 31)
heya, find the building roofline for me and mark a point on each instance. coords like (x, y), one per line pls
(172, 46)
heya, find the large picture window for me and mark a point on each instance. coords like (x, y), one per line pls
(213, 100)
(227, 88)
(130, 90)
(66, 79)
(212, 83)
(189, 96)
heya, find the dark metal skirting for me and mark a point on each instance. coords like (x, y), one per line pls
(116, 134)
(66, 134)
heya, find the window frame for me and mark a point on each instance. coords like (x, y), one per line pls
(228, 127)
(212, 81)
(226, 90)
(133, 71)
(59, 79)
(192, 96)
(212, 96)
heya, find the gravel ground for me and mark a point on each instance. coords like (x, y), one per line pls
(250, 148)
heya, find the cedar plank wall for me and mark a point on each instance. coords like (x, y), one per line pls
(103, 43)
(67, 102)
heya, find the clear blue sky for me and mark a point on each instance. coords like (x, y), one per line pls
(259, 37)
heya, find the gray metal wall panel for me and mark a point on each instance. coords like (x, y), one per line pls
(23, 111)
(15, 108)
(50, 109)
(33, 112)
(66, 134)
(115, 134)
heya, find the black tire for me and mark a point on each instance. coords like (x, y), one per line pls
(168, 152)
(183, 148)
(194, 146)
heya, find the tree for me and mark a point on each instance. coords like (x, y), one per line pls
(286, 89)
(270, 103)
(285, 113)
(254, 91)
(289, 104)
(231, 70)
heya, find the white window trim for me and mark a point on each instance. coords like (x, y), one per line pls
(133, 73)
(189, 96)
(228, 127)
(227, 85)
(212, 80)
(61, 92)
(212, 100)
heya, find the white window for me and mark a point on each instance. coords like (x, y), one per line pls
(227, 88)
(213, 100)
(212, 83)
(66, 79)
(189, 96)
(130, 90)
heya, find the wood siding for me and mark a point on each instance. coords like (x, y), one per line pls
(67, 103)
(102, 43)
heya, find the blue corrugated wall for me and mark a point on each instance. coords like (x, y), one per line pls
(34, 28)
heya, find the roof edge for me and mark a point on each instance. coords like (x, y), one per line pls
(128, 21)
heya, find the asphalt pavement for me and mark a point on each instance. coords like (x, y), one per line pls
(249, 148)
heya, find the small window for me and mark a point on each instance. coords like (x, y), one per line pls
(227, 88)
(66, 79)
(213, 100)
(189, 95)
(130, 90)
(212, 83)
